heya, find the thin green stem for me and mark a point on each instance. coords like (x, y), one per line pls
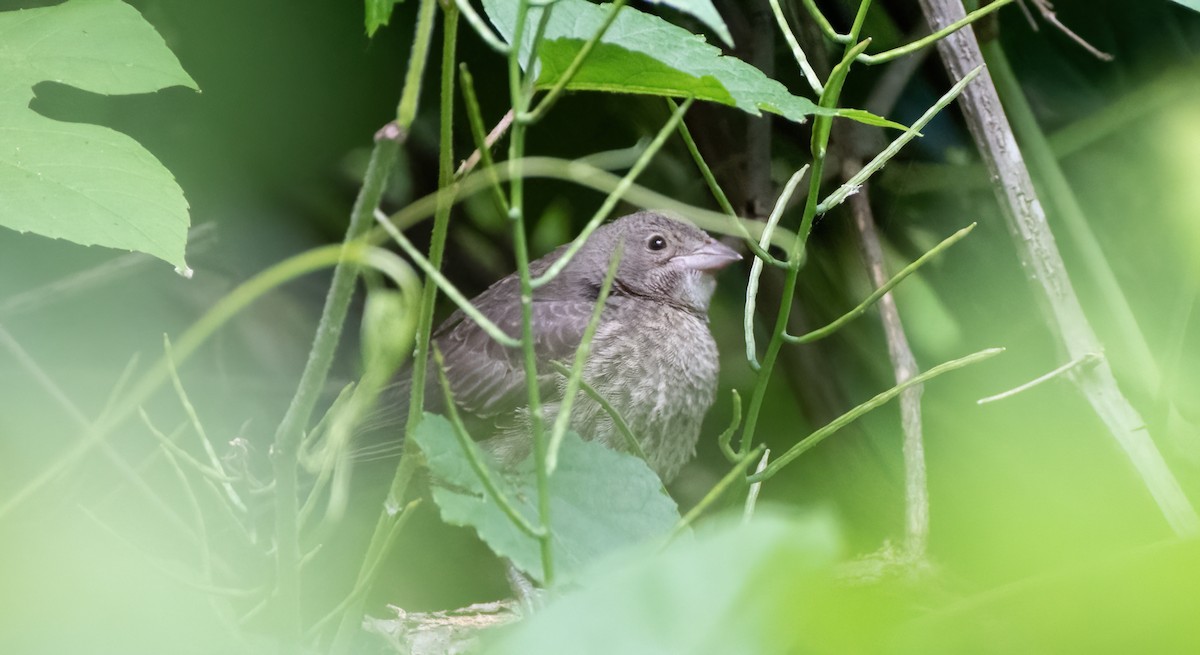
(797, 51)
(755, 488)
(818, 144)
(350, 608)
(563, 419)
(173, 448)
(437, 247)
(187, 344)
(444, 283)
(384, 527)
(859, 18)
(548, 100)
(479, 134)
(410, 98)
(615, 195)
(231, 496)
(719, 194)
(757, 267)
(734, 476)
(585, 175)
(852, 185)
(929, 39)
(862, 307)
(726, 436)
(823, 23)
(845, 419)
(631, 441)
(475, 458)
(489, 37)
(516, 214)
(172, 453)
(1088, 359)
(312, 381)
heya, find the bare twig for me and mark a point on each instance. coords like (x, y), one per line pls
(450, 631)
(904, 366)
(492, 137)
(1046, 9)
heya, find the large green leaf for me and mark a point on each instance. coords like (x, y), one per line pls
(601, 500)
(754, 588)
(86, 183)
(641, 53)
(704, 11)
(1194, 5)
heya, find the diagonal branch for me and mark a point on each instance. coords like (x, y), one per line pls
(1041, 260)
(904, 366)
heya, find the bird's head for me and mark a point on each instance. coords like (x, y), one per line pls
(661, 259)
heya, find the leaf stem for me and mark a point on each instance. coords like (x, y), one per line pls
(734, 475)
(854, 183)
(474, 457)
(475, 118)
(619, 421)
(822, 332)
(312, 381)
(489, 37)
(726, 436)
(797, 52)
(719, 195)
(563, 419)
(445, 284)
(516, 149)
(547, 101)
(845, 419)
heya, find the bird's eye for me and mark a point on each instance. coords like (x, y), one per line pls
(656, 242)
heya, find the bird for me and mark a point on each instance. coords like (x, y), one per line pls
(653, 356)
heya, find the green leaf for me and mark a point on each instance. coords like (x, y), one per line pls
(1194, 5)
(86, 183)
(379, 12)
(704, 11)
(753, 588)
(601, 500)
(641, 53)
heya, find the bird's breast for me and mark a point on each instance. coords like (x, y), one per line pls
(657, 365)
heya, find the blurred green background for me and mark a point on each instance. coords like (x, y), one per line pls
(270, 155)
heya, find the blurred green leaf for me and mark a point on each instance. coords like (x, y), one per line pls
(642, 53)
(751, 588)
(601, 500)
(1137, 602)
(79, 182)
(379, 12)
(1194, 5)
(385, 329)
(703, 11)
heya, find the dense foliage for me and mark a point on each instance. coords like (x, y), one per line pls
(181, 494)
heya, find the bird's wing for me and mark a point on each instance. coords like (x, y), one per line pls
(488, 378)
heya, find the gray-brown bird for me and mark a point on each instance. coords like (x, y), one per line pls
(653, 357)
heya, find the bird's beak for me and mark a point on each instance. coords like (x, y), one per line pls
(710, 257)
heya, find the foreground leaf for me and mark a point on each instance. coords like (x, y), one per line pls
(601, 500)
(705, 12)
(752, 588)
(86, 183)
(641, 53)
